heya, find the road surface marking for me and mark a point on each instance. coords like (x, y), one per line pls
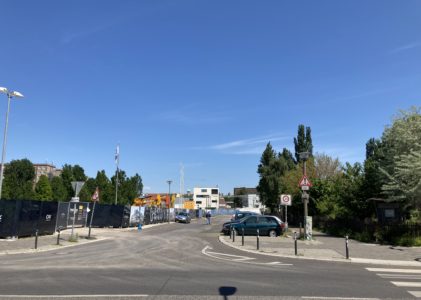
(414, 271)
(340, 298)
(236, 258)
(399, 276)
(71, 296)
(407, 283)
(416, 294)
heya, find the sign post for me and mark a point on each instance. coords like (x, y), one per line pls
(77, 186)
(305, 185)
(286, 200)
(95, 199)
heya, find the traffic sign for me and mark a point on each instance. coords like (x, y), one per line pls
(305, 183)
(286, 200)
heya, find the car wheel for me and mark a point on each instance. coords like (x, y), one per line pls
(272, 233)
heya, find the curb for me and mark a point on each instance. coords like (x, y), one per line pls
(402, 263)
(50, 247)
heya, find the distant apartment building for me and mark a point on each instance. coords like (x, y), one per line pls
(206, 198)
(46, 169)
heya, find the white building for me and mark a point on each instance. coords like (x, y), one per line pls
(251, 200)
(206, 198)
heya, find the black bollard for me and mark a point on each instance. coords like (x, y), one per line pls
(295, 242)
(231, 232)
(242, 236)
(36, 238)
(233, 235)
(58, 237)
(346, 247)
(258, 246)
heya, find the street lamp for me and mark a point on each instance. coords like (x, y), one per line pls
(169, 198)
(304, 156)
(10, 95)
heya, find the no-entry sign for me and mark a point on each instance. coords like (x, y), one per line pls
(286, 200)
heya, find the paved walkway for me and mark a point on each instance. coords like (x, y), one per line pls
(324, 247)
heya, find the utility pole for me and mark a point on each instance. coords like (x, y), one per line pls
(305, 185)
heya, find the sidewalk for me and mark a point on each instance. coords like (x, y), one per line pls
(324, 247)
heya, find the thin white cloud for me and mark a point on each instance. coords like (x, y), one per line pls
(251, 146)
(249, 142)
(405, 47)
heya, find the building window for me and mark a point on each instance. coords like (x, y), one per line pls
(214, 191)
(214, 201)
(204, 190)
(198, 202)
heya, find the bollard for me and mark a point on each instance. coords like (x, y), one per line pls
(58, 236)
(257, 239)
(36, 238)
(230, 232)
(295, 242)
(139, 227)
(233, 235)
(346, 247)
(242, 236)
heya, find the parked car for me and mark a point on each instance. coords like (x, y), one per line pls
(182, 217)
(268, 225)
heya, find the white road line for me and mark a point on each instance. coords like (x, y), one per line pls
(340, 298)
(416, 294)
(407, 283)
(273, 263)
(399, 276)
(235, 258)
(71, 296)
(414, 271)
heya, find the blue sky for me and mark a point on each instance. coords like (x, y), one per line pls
(202, 83)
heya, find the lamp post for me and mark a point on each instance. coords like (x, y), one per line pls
(169, 198)
(10, 95)
(304, 156)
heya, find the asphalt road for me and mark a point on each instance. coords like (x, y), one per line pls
(182, 261)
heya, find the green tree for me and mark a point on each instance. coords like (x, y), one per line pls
(303, 142)
(402, 153)
(58, 189)
(272, 166)
(19, 176)
(105, 187)
(43, 189)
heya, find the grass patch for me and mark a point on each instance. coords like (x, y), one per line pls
(74, 238)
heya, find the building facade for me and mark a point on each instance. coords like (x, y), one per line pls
(206, 198)
(46, 169)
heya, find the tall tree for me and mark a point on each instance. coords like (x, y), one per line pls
(270, 169)
(19, 176)
(289, 159)
(43, 189)
(105, 187)
(303, 142)
(58, 189)
(326, 166)
(402, 152)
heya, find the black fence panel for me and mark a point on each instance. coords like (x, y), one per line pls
(29, 214)
(109, 215)
(62, 215)
(48, 217)
(7, 218)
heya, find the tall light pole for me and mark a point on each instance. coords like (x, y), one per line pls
(10, 95)
(304, 156)
(169, 198)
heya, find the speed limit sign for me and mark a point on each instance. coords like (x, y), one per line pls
(286, 200)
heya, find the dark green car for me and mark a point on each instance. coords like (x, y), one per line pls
(268, 225)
